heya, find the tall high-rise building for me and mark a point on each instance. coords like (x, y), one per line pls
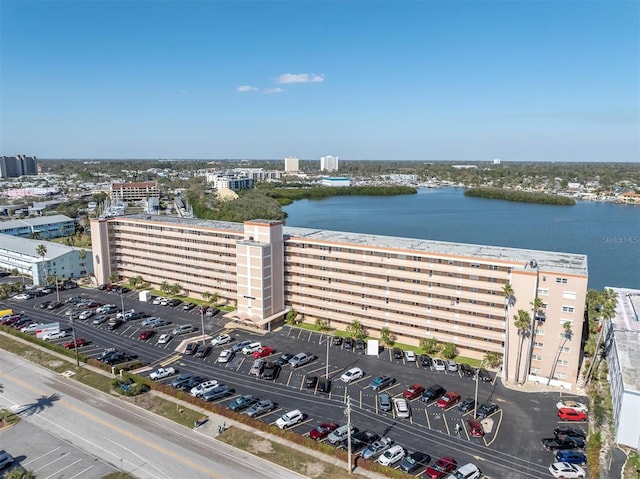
(291, 163)
(329, 163)
(15, 166)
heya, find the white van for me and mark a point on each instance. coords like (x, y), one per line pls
(182, 329)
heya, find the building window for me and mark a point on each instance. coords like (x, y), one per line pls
(535, 370)
(539, 332)
(543, 292)
(562, 362)
(564, 349)
(561, 376)
(568, 309)
(561, 280)
(536, 357)
(537, 344)
(569, 295)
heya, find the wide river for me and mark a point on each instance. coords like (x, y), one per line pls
(608, 234)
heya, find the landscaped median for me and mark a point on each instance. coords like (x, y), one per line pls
(286, 448)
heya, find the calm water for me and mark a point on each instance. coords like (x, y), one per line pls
(609, 234)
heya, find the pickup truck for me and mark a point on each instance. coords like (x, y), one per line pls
(562, 443)
(301, 359)
(162, 373)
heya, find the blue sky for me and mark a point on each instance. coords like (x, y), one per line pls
(381, 80)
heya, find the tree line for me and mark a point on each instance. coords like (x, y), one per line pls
(520, 196)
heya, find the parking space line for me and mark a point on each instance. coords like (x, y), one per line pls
(55, 460)
(40, 457)
(426, 414)
(83, 471)
(299, 333)
(65, 467)
(495, 431)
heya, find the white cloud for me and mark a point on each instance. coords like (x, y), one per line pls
(300, 78)
(269, 91)
(245, 88)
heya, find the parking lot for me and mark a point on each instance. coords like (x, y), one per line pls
(509, 448)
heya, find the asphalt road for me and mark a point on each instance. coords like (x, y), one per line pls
(119, 434)
(510, 449)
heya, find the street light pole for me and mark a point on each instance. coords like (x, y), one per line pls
(57, 289)
(475, 404)
(326, 374)
(202, 322)
(348, 411)
(75, 342)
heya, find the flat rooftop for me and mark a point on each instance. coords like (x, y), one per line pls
(37, 221)
(28, 247)
(568, 263)
(626, 327)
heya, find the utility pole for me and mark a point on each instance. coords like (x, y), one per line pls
(202, 321)
(75, 342)
(57, 289)
(475, 404)
(348, 413)
(326, 374)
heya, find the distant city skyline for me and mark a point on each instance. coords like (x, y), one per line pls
(404, 80)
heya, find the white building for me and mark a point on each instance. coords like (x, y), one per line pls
(291, 163)
(335, 181)
(60, 260)
(622, 348)
(329, 163)
(230, 182)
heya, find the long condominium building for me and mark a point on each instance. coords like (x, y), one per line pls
(417, 288)
(15, 166)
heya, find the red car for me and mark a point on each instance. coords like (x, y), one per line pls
(322, 431)
(440, 468)
(146, 334)
(413, 391)
(71, 344)
(448, 400)
(92, 304)
(475, 428)
(263, 352)
(566, 414)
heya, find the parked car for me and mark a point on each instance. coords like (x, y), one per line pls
(484, 376)
(261, 407)
(384, 402)
(468, 471)
(114, 323)
(566, 470)
(569, 431)
(361, 346)
(226, 355)
(257, 367)
(54, 305)
(475, 428)
(381, 382)
(236, 348)
(54, 335)
(174, 302)
(5, 459)
(340, 433)
(376, 448)
(352, 374)
(324, 385)
(42, 305)
(301, 359)
(486, 410)
(158, 323)
(452, 366)
(432, 393)
(562, 443)
(191, 383)
(203, 387)
(448, 400)
(566, 414)
(219, 392)
(181, 378)
(337, 341)
(360, 440)
(290, 419)
(467, 405)
(73, 344)
(322, 431)
(575, 405)
(467, 370)
(440, 468)
(191, 349)
(310, 382)
(401, 407)
(211, 311)
(413, 391)
(271, 371)
(410, 356)
(183, 329)
(243, 402)
(251, 348)
(263, 352)
(391, 456)
(220, 340)
(571, 456)
(203, 351)
(188, 306)
(438, 364)
(348, 343)
(165, 338)
(31, 328)
(414, 461)
(162, 373)
(425, 360)
(284, 359)
(397, 353)
(146, 334)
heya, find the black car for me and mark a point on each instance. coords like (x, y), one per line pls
(243, 402)
(398, 353)
(337, 340)
(360, 440)
(44, 305)
(486, 409)
(283, 359)
(271, 371)
(425, 360)
(569, 431)
(348, 343)
(466, 370)
(484, 376)
(310, 382)
(324, 385)
(188, 306)
(174, 302)
(191, 349)
(105, 354)
(54, 305)
(203, 351)
(467, 405)
(433, 392)
(114, 324)
(119, 357)
(360, 346)
(182, 378)
(414, 461)
(190, 383)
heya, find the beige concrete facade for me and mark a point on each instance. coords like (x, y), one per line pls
(417, 288)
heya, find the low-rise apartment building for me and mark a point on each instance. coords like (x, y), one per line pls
(41, 227)
(125, 192)
(417, 288)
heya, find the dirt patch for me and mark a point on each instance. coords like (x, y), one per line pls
(262, 446)
(55, 364)
(315, 469)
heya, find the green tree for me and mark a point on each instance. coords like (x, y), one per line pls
(429, 345)
(135, 282)
(509, 301)
(175, 289)
(165, 287)
(41, 250)
(114, 278)
(492, 359)
(386, 336)
(538, 315)
(522, 323)
(449, 351)
(19, 473)
(356, 329)
(291, 316)
(322, 324)
(567, 334)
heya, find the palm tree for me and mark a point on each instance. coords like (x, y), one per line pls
(41, 250)
(522, 322)
(538, 315)
(566, 336)
(509, 300)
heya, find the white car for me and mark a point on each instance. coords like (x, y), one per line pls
(290, 419)
(104, 308)
(438, 364)
(410, 356)
(566, 470)
(220, 340)
(32, 328)
(200, 389)
(54, 335)
(123, 314)
(158, 300)
(340, 434)
(226, 355)
(22, 296)
(576, 406)
(391, 455)
(351, 375)
(165, 338)
(401, 407)
(85, 315)
(251, 348)
(468, 471)
(162, 373)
